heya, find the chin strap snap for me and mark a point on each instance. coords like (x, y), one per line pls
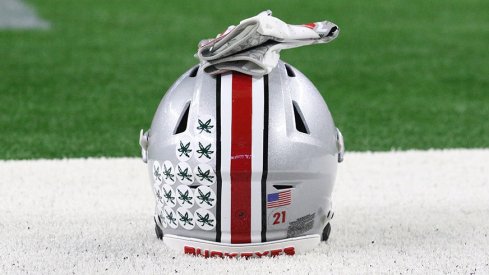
(143, 142)
(340, 144)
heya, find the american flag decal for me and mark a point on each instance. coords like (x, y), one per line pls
(279, 199)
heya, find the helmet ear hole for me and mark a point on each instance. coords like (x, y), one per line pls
(300, 123)
(182, 121)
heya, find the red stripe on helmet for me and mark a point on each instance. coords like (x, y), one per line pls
(241, 136)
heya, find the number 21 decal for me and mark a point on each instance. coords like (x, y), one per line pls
(279, 217)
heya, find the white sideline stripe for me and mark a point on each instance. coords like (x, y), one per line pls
(258, 99)
(226, 120)
(15, 14)
(422, 212)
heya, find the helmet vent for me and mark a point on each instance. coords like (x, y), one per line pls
(194, 71)
(300, 123)
(281, 187)
(182, 122)
(289, 70)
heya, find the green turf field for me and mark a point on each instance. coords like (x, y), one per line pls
(401, 75)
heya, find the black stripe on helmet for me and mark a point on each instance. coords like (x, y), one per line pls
(265, 162)
(218, 158)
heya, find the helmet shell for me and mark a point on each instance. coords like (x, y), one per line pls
(240, 159)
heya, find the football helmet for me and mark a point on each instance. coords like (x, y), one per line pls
(242, 165)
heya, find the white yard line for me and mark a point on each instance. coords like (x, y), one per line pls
(396, 212)
(16, 14)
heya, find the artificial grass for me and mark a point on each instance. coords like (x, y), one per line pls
(401, 75)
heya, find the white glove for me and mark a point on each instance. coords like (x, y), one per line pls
(253, 47)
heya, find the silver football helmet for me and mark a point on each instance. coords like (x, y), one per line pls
(242, 165)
